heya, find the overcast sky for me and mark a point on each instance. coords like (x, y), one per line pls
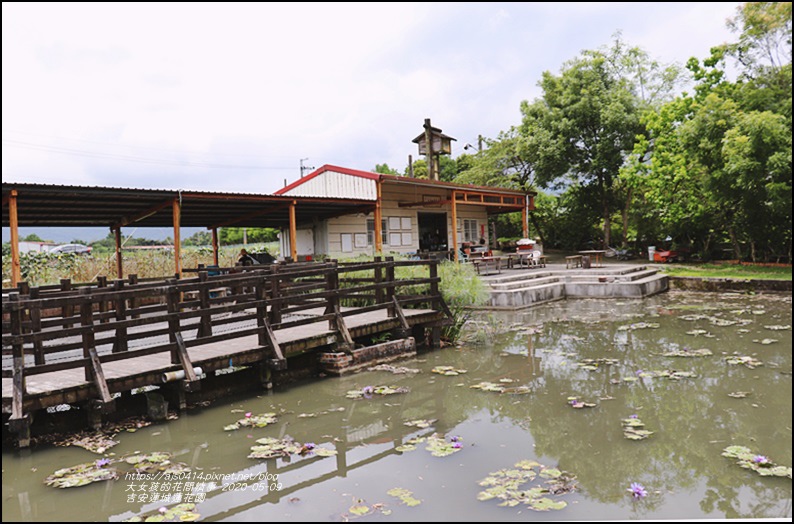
(232, 96)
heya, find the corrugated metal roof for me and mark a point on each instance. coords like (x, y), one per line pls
(51, 205)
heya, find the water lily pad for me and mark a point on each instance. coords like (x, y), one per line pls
(756, 462)
(739, 394)
(359, 510)
(448, 370)
(746, 360)
(253, 421)
(638, 325)
(440, 447)
(95, 442)
(686, 352)
(697, 332)
(576, 403)
(489, 386)
(506, 485)
(632, 428)
(766, 341)
(405, 496)
(369, 391)
(420, 423)
(394, 369)
(778, 327)
(81, 475)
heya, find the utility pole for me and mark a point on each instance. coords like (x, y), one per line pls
(305, 168)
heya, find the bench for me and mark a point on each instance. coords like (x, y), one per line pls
(573, 261)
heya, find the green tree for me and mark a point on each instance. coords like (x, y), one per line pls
(33, 237)
(199, 238)
(385, 169)
(234, 235)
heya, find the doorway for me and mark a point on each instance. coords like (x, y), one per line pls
(432, 231)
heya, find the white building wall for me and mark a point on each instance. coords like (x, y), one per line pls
(332, 184)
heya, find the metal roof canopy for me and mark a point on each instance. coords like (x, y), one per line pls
(47, 205)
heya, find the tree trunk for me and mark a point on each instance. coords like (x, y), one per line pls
(535, 223)
(607, 226)
(737, 250)
(625, 239)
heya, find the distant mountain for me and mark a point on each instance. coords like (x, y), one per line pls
(62, 235)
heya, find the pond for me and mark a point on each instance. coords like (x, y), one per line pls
(550, 413)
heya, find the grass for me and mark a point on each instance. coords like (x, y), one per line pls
(733, 271)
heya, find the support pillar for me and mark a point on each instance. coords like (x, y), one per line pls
(177, 214)
(455, 226)
(119, 263)
(293, 232)
(13, 222)
(215, 246)
(378, 220)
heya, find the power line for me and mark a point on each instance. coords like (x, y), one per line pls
(128, 158)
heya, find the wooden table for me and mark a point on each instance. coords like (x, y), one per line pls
(596, 256)
(573, 261)
(486, 263)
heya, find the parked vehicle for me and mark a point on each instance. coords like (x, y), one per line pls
(79, 249)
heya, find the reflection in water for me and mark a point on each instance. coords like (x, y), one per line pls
(693, 420)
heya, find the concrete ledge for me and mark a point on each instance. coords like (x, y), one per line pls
(730, 284)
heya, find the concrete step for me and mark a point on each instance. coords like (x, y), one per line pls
(524, 283)
(527, 296)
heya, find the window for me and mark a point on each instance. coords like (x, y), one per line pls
(470, 233)
(384, 230)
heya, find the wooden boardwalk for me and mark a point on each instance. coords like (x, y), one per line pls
(85, 346)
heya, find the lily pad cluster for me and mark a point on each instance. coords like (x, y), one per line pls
(765, 341)
(449, 371)
(405, 496)
(105, 469)
(410, 444)
(438, 446)
(668, 373)
(157, 462)
(180, 513)
(420, 423)
(506, 485)
(360, 509)
(686, 352)
(779, 327)
(633, 428)
(639, 325)
(746, 360)
(253, 421)
(82, 474)
(698, 332)
(97, 442)
(489, 386)
(269, 447)
(397, 370)
(577, 403)
(758, 463)
(592, 364)
(369, 391)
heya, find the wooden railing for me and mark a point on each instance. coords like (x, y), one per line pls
(61, 327)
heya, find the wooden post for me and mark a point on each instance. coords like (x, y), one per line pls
(431, 174)
(119, 263)
(133, 281)
(275, 293)
(35, 327)
(19, 421)
(13, 222)
(524, 218)
(67, 310)
(293, 232)
(93, 370)
(177, 214)
(390, 288)
(378, 218)
(102, 282)
(215, 246)
(120, 340)
(455, 227)
(378, 279)
(173, 317)
(205, 323)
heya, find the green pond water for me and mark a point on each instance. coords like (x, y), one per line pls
(517, 436)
